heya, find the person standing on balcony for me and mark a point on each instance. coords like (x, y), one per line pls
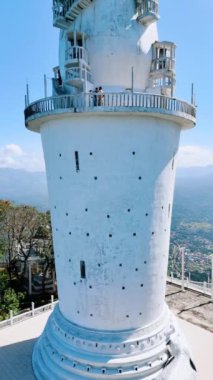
(101, 96)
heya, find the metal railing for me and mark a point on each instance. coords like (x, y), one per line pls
(148, 6)
(89, 102)
(34, 312)
(164, 63)
(77, 73)
(201, 287)
(58, 11)
(76, 53)
(192, 270)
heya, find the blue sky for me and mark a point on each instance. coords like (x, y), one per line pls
(29, 48)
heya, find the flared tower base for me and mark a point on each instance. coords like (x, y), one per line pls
(68, 351)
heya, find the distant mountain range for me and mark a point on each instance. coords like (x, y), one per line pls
(22, 187)
(193, 192)
(193, 200)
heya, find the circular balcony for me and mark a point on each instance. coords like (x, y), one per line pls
(107, 103)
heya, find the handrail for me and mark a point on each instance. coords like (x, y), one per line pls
(76, 73)
(162, 64)
(76, 52)
(201, 287)
(29, 314)
(89, 102)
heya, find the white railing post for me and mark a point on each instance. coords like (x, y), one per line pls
(182, 251)
(28, 94)
(212, 280)
(52, 301)
(30, 278)
(11, 317)
(33, 308)
(204, 287)
(27, 315)
(45, 86)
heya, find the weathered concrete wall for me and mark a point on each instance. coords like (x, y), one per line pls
(114, 214)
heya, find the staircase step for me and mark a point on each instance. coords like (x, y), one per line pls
(76, 8)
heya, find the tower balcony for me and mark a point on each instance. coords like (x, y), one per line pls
(162, 82)
(94, 103)
(147, 11)
(76, 55)
(162, 72)
(163, 56)
(59, 15)
(77, 76)
(163, 64)
(66, 11)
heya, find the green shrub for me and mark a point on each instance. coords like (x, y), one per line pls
(10, 301)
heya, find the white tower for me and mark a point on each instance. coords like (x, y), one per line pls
(110, 158)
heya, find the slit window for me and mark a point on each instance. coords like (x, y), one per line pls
(77, 161)
(83, 269)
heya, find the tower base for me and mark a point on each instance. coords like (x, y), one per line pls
(68, 351)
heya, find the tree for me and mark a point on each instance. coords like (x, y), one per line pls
(25, 232)
(20, 227)
(4, 206)
(10, 301)
(45, 247)
(4, 281)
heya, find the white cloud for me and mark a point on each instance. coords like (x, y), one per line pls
(194, 155)
(14, 157)
(12, 149)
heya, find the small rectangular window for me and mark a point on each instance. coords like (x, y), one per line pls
(77, 161)
(83, 269)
